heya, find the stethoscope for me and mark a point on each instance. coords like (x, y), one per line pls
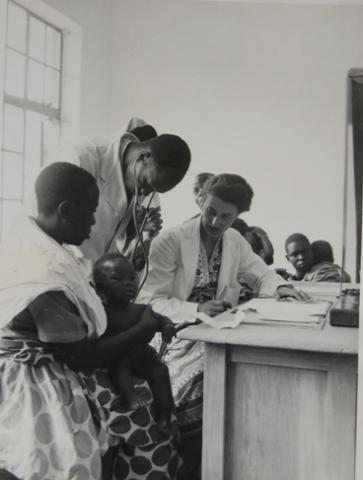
(139, 230)
(140, 240)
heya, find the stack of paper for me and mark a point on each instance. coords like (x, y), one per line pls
(263, 310)
(224, 320)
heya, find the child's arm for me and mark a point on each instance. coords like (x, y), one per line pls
(166, 327)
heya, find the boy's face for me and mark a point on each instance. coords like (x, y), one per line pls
(122, 281)
(299, 253)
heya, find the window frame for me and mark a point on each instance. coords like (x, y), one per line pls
(68, 111)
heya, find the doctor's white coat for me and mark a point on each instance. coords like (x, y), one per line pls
(173, 263)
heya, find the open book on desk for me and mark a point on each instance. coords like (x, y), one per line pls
(269, 311)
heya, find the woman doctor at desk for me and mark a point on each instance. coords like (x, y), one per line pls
(198, 267)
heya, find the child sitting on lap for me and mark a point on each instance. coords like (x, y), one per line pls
(116, 282)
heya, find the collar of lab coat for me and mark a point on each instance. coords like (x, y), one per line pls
(116, 148)
(111, 177)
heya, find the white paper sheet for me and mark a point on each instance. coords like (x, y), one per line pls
(282, 311)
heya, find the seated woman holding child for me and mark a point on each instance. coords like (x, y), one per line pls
(60, 417)
(198, 266)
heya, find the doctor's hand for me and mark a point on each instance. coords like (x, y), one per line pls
(289, 292)
(213, 307)
(154, 222)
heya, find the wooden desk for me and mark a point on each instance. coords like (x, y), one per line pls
(279, 402)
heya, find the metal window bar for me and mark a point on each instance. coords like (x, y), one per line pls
(28, 105)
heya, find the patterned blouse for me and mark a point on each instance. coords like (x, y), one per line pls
(207, 273)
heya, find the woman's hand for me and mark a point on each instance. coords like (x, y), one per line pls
(213, 307)
(290, 292)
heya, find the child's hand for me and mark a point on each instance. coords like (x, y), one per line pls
(166, 327)
(168, 331)
(148, 324)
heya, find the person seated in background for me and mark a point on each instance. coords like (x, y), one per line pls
(300, 254)
(116, 283)
(322, 251)
(198, 185)
(257, 238)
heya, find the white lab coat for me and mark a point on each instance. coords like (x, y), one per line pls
(173, 263)
(101, 158)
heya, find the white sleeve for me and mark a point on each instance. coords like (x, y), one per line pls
(254, 271)
(158, 289)
(86, 155)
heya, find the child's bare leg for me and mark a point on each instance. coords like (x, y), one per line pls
(121, 377)
(146, 364)
(157, 375)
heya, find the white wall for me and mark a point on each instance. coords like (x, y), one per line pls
(255, 89)
(94, 16)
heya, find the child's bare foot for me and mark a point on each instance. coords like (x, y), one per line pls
(164, 423)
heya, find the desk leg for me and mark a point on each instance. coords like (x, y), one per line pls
(214, 412)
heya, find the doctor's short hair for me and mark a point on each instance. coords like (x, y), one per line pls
(171, 160)
(230, 188)
(62, 181)
(145, 132)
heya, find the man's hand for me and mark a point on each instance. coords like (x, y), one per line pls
(213, 307)
(154, 222)
(290, 292)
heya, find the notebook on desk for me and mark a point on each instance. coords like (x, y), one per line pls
(283, 311)
(269, 311)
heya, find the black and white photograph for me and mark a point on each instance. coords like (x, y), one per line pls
(181, 239)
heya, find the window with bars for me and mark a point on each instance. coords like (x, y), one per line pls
(31, 108)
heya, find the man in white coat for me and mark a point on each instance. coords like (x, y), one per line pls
(125, 170)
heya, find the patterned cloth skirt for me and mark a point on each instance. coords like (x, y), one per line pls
(185, 360)
(56, 424)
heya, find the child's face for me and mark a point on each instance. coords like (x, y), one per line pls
(122, 282)
(300, 254)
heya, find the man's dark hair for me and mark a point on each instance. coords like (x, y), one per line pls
(296, 237)
(171, 157)
(322, 251)
(230, 188)
(59, 182)
(146, 132)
